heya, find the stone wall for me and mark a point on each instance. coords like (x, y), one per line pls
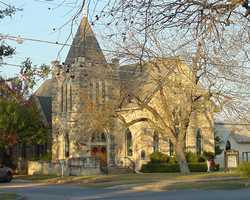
(76, 168)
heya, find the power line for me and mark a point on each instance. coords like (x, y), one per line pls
(55, 4)
(20, 40)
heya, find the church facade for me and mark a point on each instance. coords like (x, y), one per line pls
(87, 82)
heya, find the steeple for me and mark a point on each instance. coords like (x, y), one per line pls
(85, 9)
(85, 43)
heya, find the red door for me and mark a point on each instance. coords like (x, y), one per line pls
(101, 154)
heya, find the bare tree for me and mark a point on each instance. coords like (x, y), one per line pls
(212, 40)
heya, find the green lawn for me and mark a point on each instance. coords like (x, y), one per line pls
(141, 179)
(36, 177)
(217, 185)
(8, 196)
(193, 180)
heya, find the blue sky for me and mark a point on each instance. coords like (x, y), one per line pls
(37, 20)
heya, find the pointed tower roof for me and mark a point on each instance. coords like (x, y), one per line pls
(85, 45)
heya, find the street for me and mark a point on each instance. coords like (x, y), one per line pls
(74, 192)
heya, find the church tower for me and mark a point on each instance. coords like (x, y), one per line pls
(83, 80)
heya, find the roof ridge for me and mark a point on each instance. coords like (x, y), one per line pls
(85, 45)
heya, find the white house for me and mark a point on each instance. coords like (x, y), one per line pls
(233, 136)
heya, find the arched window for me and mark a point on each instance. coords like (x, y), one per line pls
(62, 100)
(70, 97)
(66, 96)
(143, 155)
(129, 145)
(66, 145)
(171, 148)
(156, 142)
(198, 141)
(228, 145)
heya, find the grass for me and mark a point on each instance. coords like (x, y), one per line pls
(216, 185)
(190, 181)
(8, 196)
(141, 179)
(35, 177)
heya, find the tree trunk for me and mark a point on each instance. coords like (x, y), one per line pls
(181, 158)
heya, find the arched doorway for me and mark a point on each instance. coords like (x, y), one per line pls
(99, 148)
(228, 145)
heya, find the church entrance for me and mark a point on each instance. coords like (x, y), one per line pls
(99, 149)
(100, 152)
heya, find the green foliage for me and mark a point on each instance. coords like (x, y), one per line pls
(197, 167)
(244, 169)
(20, 123)
(6, 50)
(45, 157)
(158, 157)
(201, 159)
(172, 160)
(218, 142)
(208, 155)
(171, 168)
(30, 73)
(191, 157)
(153, 167)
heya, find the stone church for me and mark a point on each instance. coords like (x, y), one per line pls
(87, 80)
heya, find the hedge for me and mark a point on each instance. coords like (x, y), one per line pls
(171, 168)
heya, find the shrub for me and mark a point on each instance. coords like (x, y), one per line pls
(158, 157)
(194, 158)
(153, 167)
(201, 159)
(167, 168)
(208, 155)
(46, 157)
(244, 169)
(191, 157)
(197, 167)
(172, 160)
(216, 167)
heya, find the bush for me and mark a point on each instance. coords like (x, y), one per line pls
(46, 157)
(158, 157)
(194, 158)
(197, 167)
(201, 159)
(216, 167)
(172, 160)
(191, 157)
(244, 169)
(171, 168)
(208, 155)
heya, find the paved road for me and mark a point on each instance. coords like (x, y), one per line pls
(71, 192)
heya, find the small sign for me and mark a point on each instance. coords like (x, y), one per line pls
(62, 163)
(231, 159)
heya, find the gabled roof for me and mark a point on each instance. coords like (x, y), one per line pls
(43, 100)
(45, 89)
(46, 107)
(240, 138)
(85, 45)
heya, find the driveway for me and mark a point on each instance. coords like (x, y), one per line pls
(74, 192)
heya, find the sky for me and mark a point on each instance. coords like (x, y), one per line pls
(39, 20)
